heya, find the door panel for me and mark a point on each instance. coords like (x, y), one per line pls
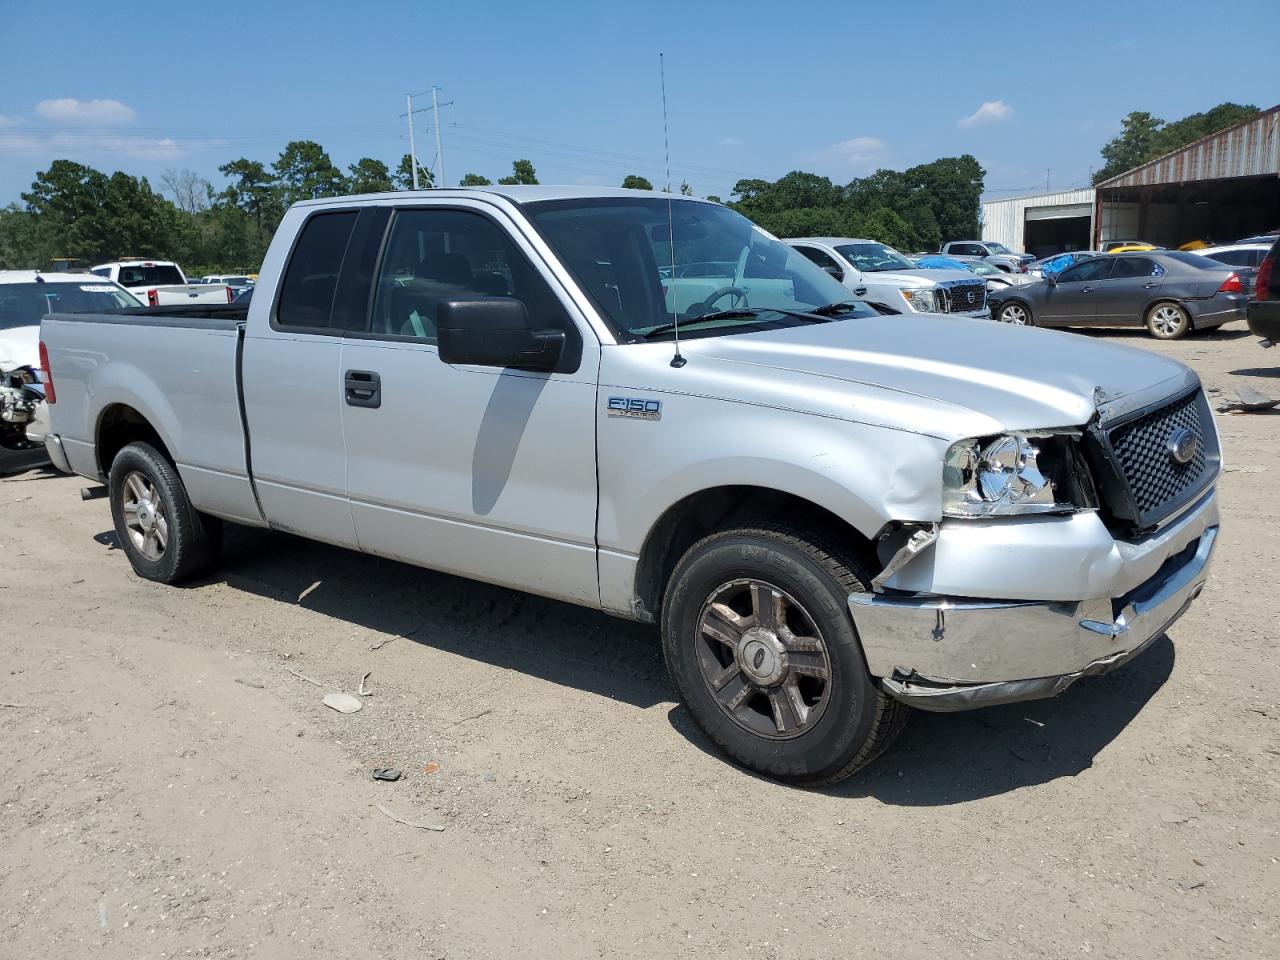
(485, 473)
(295, 432)
(1134, 282)
(477, 471)
(1073, 299)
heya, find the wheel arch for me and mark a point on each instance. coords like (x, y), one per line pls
(713, 509)
(120, 424)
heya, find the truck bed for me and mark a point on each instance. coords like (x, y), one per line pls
(181, 365)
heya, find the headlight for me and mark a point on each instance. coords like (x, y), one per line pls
(997, 476)
(921, 299)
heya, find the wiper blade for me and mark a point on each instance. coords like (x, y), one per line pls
(833, 309)
(813, 316)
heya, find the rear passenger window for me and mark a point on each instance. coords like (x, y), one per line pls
(306, 298)
(437, 255)
(1127, 268)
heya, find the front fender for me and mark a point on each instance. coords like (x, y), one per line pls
(865, 474)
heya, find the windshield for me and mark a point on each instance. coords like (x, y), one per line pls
(996, 247)
(983, 269)
(723, 267)
(151, 275)
(875, 257)
(23, 304)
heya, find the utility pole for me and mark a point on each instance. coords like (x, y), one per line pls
(435, 109)
(437, 181)
(413, 150)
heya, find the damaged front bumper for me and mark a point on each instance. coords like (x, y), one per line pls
(947, 653)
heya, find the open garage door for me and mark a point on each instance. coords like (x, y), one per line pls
(1050, 230)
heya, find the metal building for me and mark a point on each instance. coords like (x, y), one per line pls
(1221, 188)
(1044, 224)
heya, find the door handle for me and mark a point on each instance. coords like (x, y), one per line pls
(363, 388)
(1150, 286)
(1087, 290)
(860, 291)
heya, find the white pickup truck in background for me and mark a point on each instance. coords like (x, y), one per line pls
(161, 283)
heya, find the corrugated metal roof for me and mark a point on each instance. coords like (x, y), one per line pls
(1251, 148)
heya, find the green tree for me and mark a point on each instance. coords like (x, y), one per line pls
(84, 213)
(685, 189)
(521, 172)
(369, 176)
(713, 198)
(1133, 146)
(474, 180)
(633, 181)
(253, 190)
(402, 179)
(305, 172)
(1144, 137)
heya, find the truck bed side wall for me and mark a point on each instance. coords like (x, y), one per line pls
(180, 378)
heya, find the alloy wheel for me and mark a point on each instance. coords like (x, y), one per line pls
(763, 659)
(1166, 319)
(1015, 314)
(144, 515)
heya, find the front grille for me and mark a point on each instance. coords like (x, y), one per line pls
(1140, 479)
(962, 296)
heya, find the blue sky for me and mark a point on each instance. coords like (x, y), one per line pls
(754, 89)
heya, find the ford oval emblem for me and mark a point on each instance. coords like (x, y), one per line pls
(1182, 445)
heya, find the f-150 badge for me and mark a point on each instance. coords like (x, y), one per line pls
(635, 408)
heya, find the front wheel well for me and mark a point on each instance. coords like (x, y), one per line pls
(722, 508)
(120, 425)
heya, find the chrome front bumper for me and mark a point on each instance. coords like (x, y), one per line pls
(952, 653)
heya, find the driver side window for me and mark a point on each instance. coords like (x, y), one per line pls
(822, 259)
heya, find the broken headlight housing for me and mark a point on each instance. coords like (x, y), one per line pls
(1016, 474)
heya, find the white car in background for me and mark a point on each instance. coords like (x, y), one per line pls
(25, 297)
(161, 283)
(238, 282)
(1237, 254)
(881, 275)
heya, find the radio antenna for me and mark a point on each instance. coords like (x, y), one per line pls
(677, 361)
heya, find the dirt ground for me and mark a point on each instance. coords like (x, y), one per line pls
(171, 787)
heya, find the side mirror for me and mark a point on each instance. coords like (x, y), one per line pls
(495, 332)
(834, 270)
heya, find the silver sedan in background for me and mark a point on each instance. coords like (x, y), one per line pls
(1168, 291)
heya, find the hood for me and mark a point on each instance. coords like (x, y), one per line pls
(945, 376)
(918, 278)
(19, 347)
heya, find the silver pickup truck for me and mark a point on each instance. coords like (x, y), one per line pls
(833, 514)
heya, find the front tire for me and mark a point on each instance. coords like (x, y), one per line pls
(761, 648)
(165, 538)
(1016, 313)
(1168, 321)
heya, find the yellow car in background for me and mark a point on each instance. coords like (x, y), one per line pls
(1133, 248)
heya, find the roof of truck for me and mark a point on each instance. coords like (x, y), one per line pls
(518, 194)
(31, 276)
(830, 241)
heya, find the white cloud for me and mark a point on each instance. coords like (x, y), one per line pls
(732, 142)
(991, 111)
(91, 112)
(13, 142)
(9, 121)
(850, 157)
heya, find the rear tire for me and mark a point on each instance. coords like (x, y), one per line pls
(1015, 312)
(762, 611)
(165, 538)
(1168, 321)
